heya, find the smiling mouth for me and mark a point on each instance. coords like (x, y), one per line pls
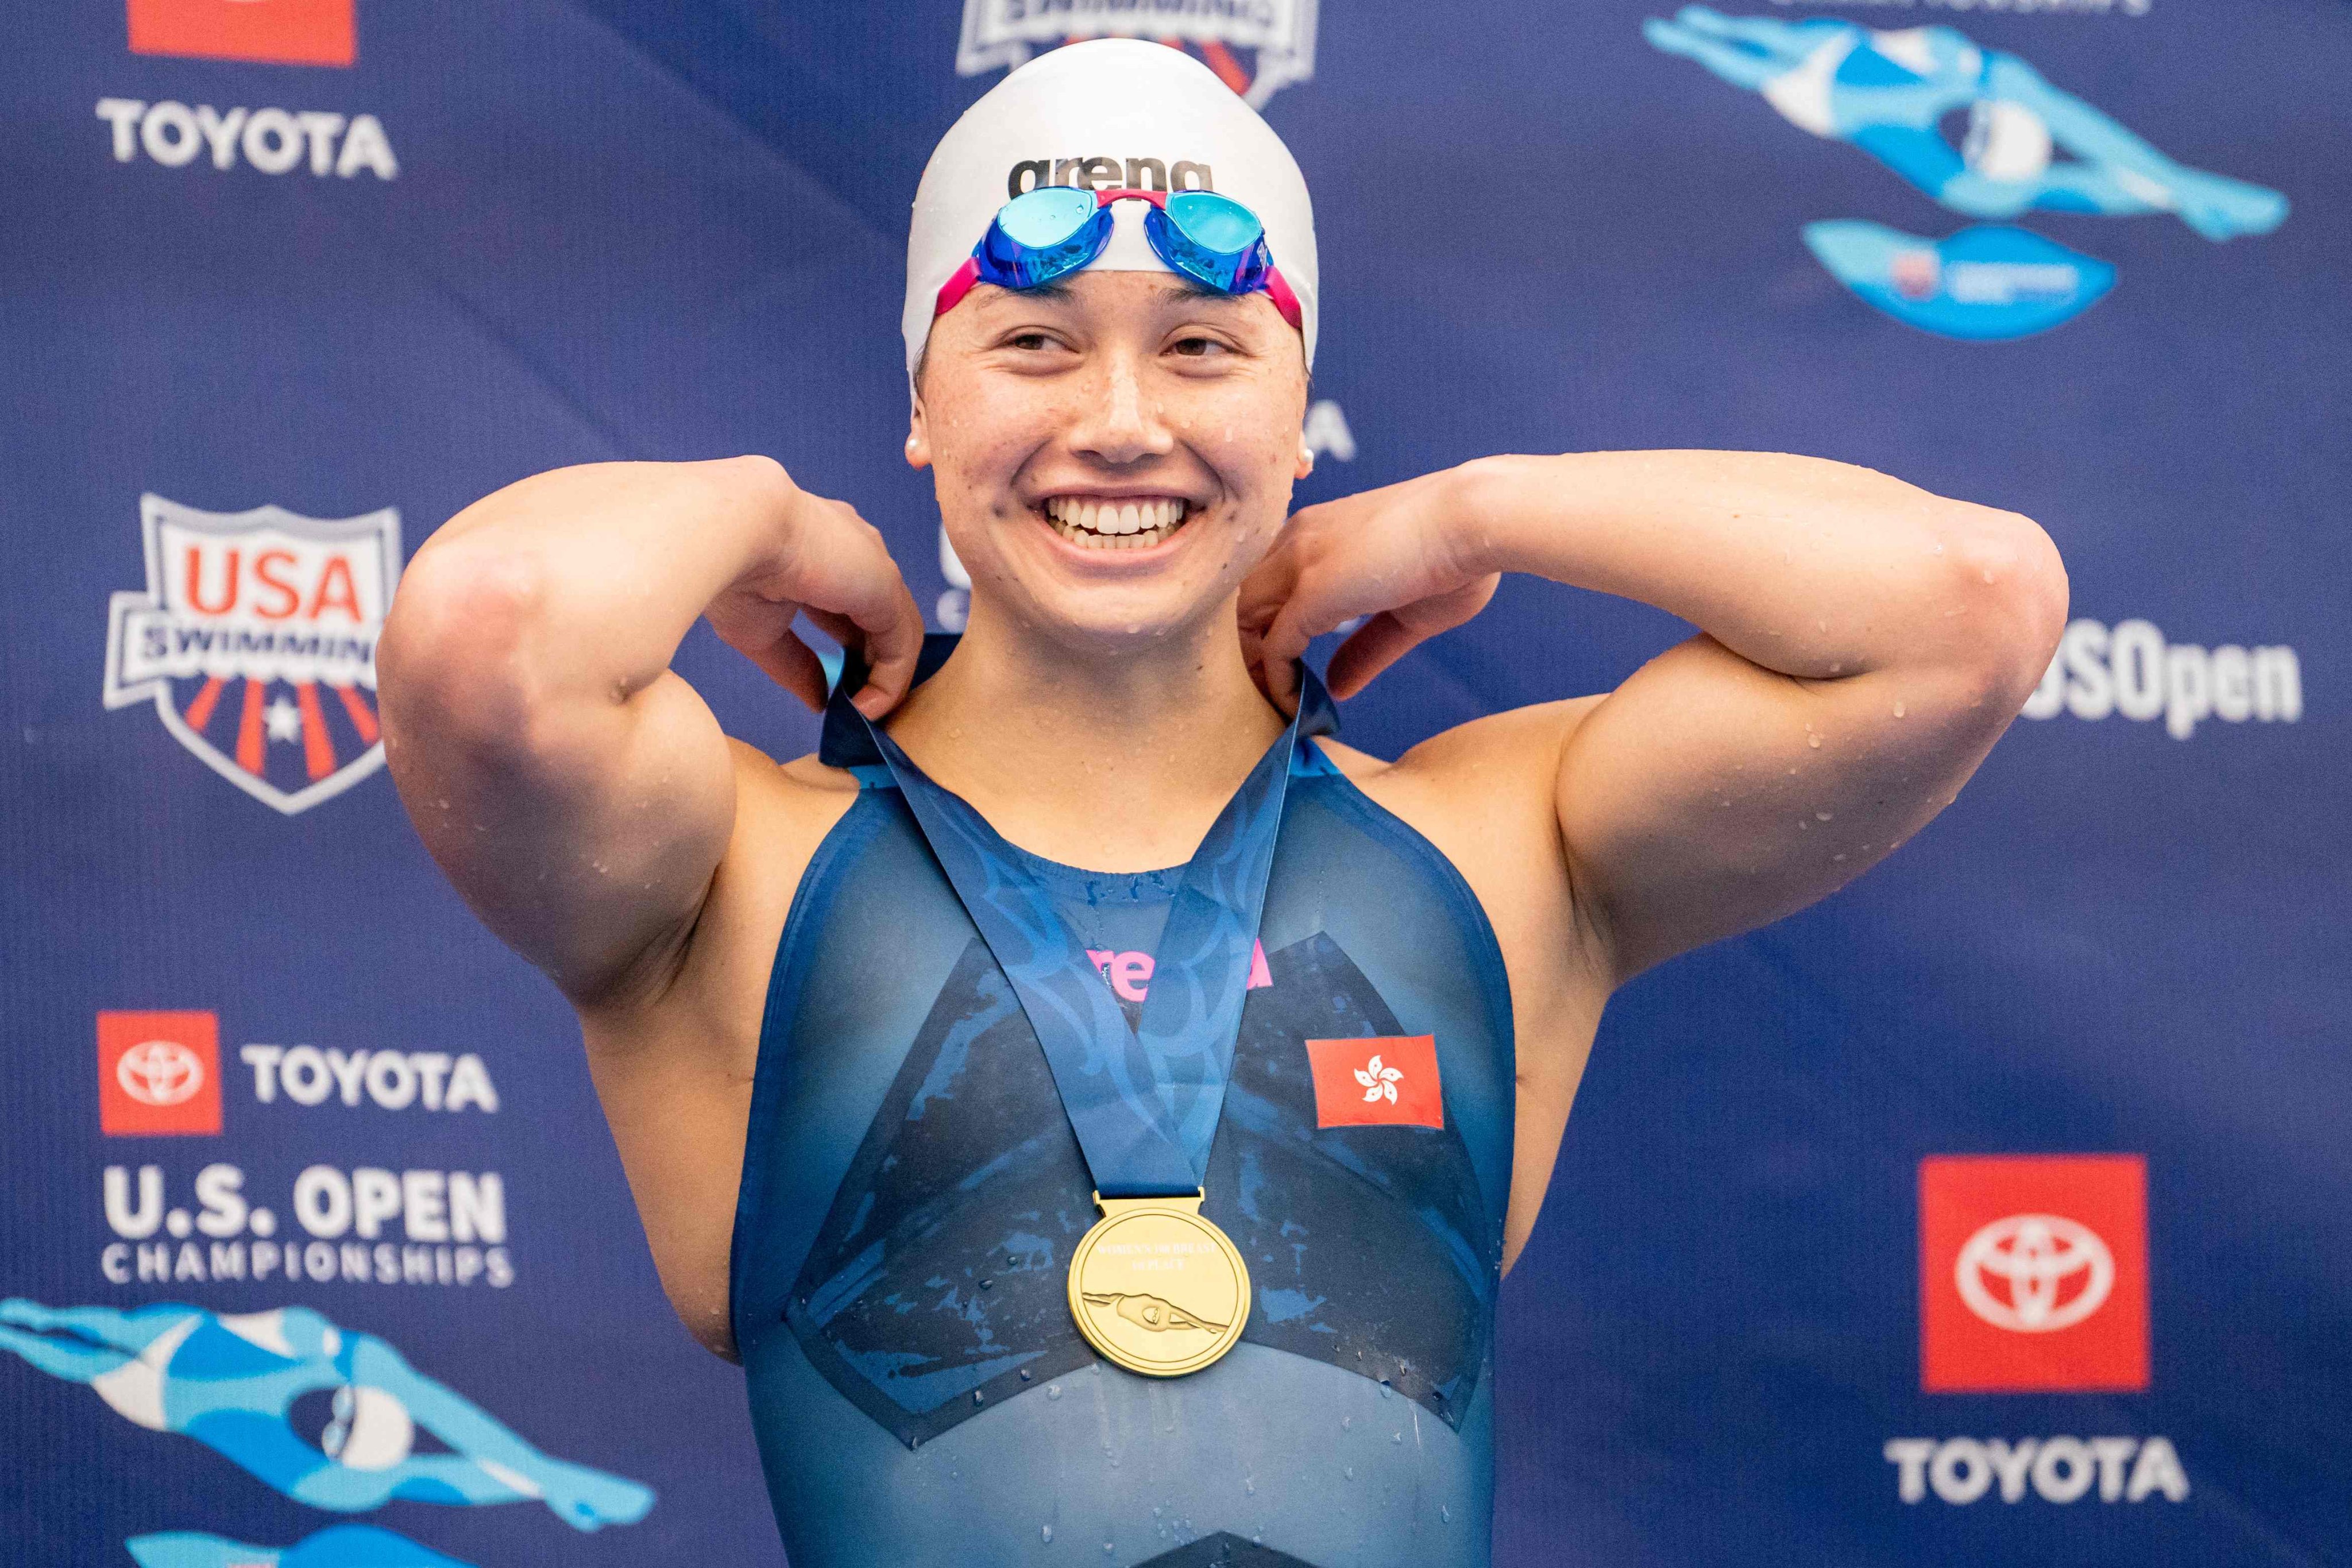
(1096, 522)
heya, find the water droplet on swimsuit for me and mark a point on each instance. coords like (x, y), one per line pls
(1108, 1549)
(1398, 1438)
(985, 1282)
(1053, 1390)
(1445, 1514)
(978, 1397)
(1346, 1422)
(1025, 1374)
(1156, 1510)
(1350, 1472)
(1385, 1390)
(1249, 1486)
(1257, 1538)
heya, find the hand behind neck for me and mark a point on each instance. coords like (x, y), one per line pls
(1116, 758)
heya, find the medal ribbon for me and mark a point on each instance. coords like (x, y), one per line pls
(1144, 1100)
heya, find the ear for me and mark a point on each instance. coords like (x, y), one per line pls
(918, 440)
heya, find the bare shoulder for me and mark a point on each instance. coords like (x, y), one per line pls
(1485, 793)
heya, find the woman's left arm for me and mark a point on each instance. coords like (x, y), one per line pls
(1862, 644)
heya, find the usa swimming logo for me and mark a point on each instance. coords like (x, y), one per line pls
(254, 640)
(2029, 146)
(1255, 47)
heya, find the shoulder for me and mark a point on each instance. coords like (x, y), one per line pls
(1485, 796)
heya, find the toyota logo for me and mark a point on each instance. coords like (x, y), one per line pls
(2035, 1273)
(160, 1072)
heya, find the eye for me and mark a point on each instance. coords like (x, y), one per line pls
(1199, 346)
(1029, 342)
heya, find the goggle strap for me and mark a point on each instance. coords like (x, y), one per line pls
(1277, 288)
(952, 292)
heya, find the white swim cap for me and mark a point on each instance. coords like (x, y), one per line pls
(1104, 114)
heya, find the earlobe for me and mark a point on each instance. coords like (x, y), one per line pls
(1305, 462)
(919, 445)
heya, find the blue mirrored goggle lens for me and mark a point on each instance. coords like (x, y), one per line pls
(1049, 215)
(1216, 224)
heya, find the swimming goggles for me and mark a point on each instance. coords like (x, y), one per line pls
(1054, 230)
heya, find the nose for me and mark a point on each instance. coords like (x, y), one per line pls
(1115, 426)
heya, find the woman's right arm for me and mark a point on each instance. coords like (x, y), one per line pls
(576, 791)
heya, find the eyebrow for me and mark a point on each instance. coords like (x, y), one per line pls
(1187, 290)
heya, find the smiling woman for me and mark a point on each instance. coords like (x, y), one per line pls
(1082, 928)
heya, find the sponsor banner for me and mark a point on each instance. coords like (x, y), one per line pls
(2032, 1273)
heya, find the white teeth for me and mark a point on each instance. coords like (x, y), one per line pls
(1099, 525)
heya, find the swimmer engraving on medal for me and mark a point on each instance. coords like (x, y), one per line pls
(1153, 1312)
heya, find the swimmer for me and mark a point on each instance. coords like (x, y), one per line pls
(231, 1380)
(855, 1017)
(1885, 92)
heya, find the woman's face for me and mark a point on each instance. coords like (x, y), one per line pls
(1112, 452)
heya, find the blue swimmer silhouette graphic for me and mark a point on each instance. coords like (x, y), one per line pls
(230, 1382)
(1885, 92)
(340, 1546)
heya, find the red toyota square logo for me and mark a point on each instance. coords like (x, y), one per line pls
(1391, 1081)
(2032, 1273)
(158, 1073)
(277, 32)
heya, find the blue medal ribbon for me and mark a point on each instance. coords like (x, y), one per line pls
(1144, 1100)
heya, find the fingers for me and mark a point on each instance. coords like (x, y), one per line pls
(793, 665)
(892, 641)
(1376, 644)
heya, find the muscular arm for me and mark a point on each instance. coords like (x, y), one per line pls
(1862, 645)
(578, 793)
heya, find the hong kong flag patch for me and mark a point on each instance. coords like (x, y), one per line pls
(1388, 1081)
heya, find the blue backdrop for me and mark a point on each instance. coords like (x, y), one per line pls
(2078, 257)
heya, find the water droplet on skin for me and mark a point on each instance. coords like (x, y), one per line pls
(1837, 858)
(1814, 741)
(1821, 817)
(1802, 826)
(1988, 575)
(1898, 710)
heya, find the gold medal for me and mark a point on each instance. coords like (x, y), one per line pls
(1157, 1289)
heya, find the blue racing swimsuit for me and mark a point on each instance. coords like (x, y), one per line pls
(912, 1190)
